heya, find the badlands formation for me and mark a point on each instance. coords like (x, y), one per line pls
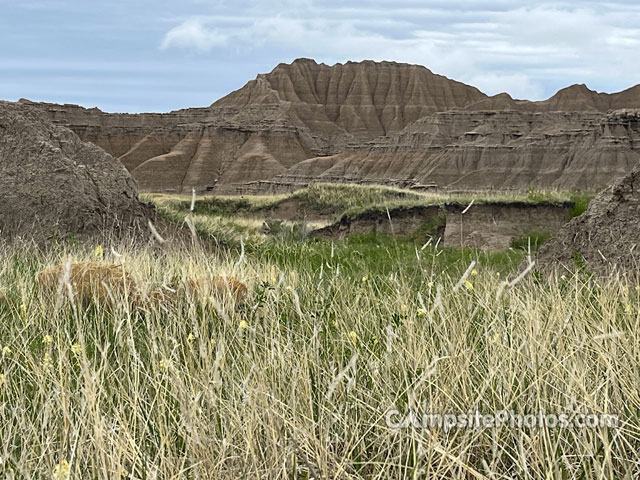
(369, 122)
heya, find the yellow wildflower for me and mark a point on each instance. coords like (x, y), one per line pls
(421, 312)
(164, 364)
(474, 272)
(76, 349)
(365, 279)
(46, 361)
(48, 340)
(99, 251)
(62, 471)
(353, 336)
(243, 325)
(468, 285)
(191, 337)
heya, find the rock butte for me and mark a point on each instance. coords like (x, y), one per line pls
(370, 122)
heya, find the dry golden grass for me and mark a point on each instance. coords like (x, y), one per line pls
(216, 286)
(104, 282)
(89, 280)
(297, 385)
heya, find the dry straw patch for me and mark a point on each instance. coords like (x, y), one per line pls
(217, 286)
(104, 282)
(89, 280)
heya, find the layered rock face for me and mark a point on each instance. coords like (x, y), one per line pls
(54, 184)
(464, 150)
(193, 148)
(369, 122)
(354, 101)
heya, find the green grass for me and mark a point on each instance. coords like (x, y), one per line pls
(581, 203)
(530, 241)
(297, 383)
(321, 198)
(353, 200)
(364, 255)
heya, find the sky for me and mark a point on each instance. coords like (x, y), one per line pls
(160, 55)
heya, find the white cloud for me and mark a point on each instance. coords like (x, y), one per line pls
(501, 46)
(193, 33)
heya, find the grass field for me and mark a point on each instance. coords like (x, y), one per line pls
(299, 381)
(355, 199)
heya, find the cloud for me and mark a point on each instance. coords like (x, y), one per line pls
(498, 45)
(193, 33)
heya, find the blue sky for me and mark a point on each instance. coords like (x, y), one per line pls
(144, 55)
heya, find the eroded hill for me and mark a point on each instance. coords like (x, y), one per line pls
(369, 122)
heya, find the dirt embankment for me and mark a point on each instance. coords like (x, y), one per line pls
(494, 225)
(293, 209)
(491, 226)
(405, 221)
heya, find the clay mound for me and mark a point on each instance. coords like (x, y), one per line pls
(54, 184)
(605, 238)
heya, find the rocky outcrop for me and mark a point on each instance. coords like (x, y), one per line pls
(369, 122)
(605, 238)
(504, 150)
(193, 148)
(53, 184)
(296, 112)
(576, 98)
(356, 101)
